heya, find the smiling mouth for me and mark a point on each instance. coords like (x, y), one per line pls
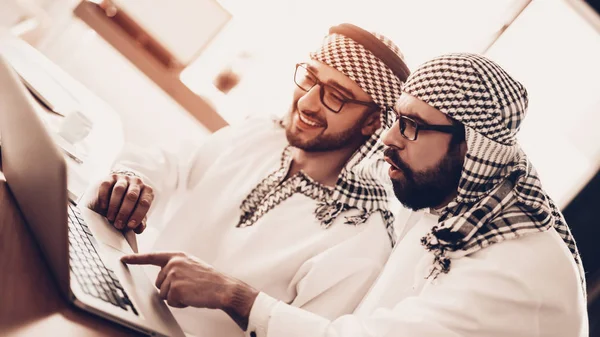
(308, 121)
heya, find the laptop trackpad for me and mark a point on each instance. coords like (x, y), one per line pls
(104, 232)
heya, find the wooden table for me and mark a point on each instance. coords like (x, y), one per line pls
(30, 302)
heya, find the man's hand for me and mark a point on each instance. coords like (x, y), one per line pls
(186, 281)
(124, 200)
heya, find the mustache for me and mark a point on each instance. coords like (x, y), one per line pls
(395, 158)
(317, 118)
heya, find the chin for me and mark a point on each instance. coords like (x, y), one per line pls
(415, 196)
(295, 137)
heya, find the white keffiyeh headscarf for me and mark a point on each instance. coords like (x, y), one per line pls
(500, 196)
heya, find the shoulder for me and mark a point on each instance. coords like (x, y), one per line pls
(535, 272)
(245, 135)
(255, 126)
(534, 257)
(523, 287)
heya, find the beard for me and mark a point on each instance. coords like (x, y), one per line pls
(430, 188)
(322, 142)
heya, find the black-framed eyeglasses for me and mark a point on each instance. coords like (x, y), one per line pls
(330, 96)
(409, 128)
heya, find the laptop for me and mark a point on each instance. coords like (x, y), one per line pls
(80, 247)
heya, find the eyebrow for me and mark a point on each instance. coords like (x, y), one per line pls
(421, 120)
(341, 88)
(411, 115)
(332, 82)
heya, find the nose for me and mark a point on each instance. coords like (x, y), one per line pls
(311, 100)
(392, 137)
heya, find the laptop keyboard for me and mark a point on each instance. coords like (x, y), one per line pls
(88, 269)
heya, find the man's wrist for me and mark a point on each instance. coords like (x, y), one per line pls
(239, 303)
(125, 172)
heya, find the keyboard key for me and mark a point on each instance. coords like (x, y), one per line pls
(93, 291)
(87, 230)
(104, 297)
(112, 275)
(118, 285)
(107, 287)
(96, 270)
(112, 299)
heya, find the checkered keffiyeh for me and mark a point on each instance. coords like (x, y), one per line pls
(499, 195)
(359, 186)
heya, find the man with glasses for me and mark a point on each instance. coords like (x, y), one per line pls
(485, 252)
(294, 208)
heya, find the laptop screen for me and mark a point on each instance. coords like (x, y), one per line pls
(35, 172)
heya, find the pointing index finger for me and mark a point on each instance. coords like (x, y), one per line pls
(158, 259)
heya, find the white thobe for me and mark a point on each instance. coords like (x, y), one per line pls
(286, 253)
(526, 287)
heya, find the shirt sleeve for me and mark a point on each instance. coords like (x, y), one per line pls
(260, 315)
(169, 171)
(474, 299)
(334, 282)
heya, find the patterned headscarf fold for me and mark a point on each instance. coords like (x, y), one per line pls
(500, 196)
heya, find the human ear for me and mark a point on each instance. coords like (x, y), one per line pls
(371, 123)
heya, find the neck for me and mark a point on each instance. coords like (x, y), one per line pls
(323, 167)
(446, 201)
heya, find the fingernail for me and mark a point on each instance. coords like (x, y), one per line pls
(139, 229)
(119, 224)
(131, 224)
